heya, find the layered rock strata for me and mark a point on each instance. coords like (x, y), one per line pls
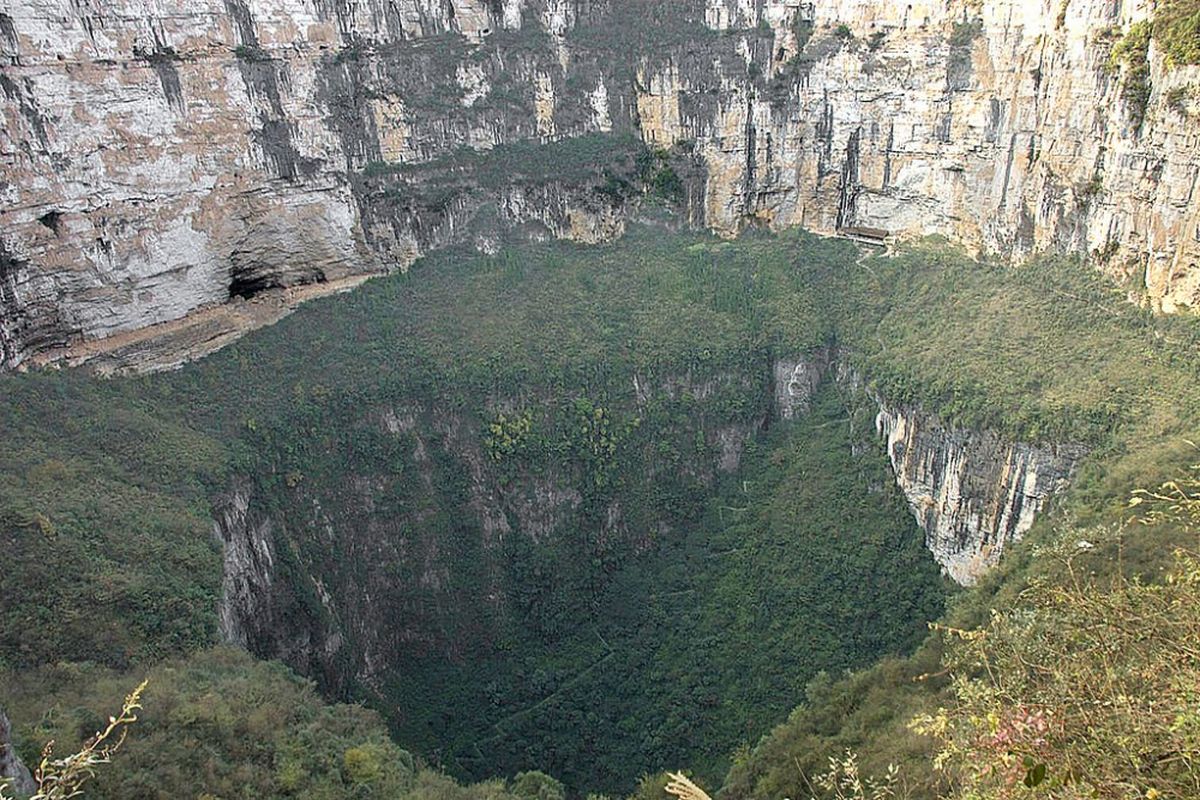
(164, 158)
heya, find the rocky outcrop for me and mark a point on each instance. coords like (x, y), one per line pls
(266, 605)
(406, 531)
(14, 775)
(971, 491)
(795, 382)
(249, 563)
(156, 163)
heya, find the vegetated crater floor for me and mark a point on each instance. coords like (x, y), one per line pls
(545, 509)
(540, 509)
(570, 530)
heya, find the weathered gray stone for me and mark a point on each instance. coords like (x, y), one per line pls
(12, 770)
(154, 164)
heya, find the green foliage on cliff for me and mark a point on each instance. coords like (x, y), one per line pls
(1177, 30)
(1133, 51)
(573, 161)
(805, 561)
(1046, 351)
(222, 724)
(105, 524)
(675, 636)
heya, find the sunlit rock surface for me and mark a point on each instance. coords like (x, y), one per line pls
(163, 158)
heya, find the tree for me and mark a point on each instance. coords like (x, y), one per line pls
(1087, 686)
(63, 778)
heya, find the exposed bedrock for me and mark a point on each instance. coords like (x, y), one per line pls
(166, 158)
(343, 570)
(14, 774)
(344, 574)
(973, 492)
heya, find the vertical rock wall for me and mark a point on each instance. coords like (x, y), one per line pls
(971, 491)
(13, 773)
(162, 157)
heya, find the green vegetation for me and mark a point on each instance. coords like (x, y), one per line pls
(962, 44)
(58, 777)
(618, 166)
(251, 53)
(645, 27)
(550, 386)
(1177, 30)
(672, 636)
(572, 160)
(105, 512)
(1092, 189)
(784, 561)
(1085, 687)
(1180, 98)
(222, 724)
(1046, 351)
(1133, 51)
(803, 29)
(1061, 356)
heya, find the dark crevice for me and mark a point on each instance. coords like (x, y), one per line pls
(248, 280)
(848, 199)
(52, 220)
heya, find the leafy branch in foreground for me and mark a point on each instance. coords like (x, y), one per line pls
(1085, 688)
(63, 778)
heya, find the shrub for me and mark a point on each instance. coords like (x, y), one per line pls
(1179, 98)
(536, 785)
(64, 778)
(1177, 30)
(1133, 51)
(1085, 688)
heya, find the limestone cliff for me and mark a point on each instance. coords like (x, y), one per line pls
(972, 491)
(164, 158)
(14, 775)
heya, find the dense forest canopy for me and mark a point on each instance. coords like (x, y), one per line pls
(675, 637)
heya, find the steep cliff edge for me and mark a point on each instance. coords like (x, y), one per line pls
(484, 585)
(972, 491)
(351, 621)
(14, 775)
(157, 164)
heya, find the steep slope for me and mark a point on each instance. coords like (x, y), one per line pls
(157, 164)
(550, 464)
(521, 466)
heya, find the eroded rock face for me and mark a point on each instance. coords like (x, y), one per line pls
(349, 560)
(796, 380)
(12, 770)
(160, 161)
(972, 492)
(266, 604)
